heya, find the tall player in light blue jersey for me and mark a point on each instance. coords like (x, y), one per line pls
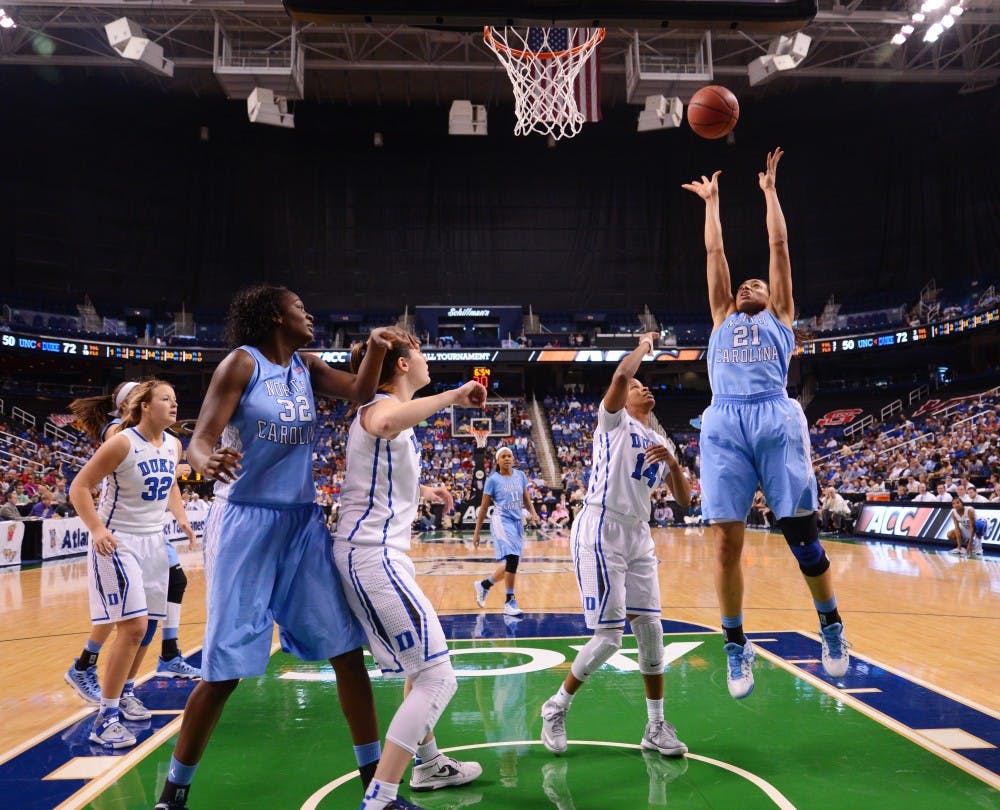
(378, 502)
(267, 549)
(507, 491)
(753, 432)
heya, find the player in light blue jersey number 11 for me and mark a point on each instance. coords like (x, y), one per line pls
(754, 433)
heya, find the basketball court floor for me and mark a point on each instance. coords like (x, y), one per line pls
(914, 724)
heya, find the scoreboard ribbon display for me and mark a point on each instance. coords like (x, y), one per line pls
(904, 336)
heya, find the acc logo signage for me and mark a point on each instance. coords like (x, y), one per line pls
(899, 521)
(838, 418)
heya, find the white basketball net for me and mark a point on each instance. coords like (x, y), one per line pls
(543, 64)
(480, 435)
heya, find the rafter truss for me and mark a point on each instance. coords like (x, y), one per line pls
(383, 64)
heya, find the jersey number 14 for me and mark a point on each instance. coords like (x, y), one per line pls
(649, 473)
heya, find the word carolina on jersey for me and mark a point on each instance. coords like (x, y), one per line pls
(752, 354)
(285, 434)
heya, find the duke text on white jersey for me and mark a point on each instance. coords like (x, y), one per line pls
(134, 499)
(621, 480)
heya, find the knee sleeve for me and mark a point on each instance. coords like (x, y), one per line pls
(802, 536)
(649, 639)
(512, 561)
(430, 691)
(150, 632)
(605, 642)
(176, 585)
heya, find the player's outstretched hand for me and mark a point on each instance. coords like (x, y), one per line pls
(767, 178)
(471, 395)
(658, 453)
(224, 465)
(705, 188)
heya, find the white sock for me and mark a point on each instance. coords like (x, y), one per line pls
(654, 709)
(563, 698)
(109, 706)
(379, 794)
(427, 751)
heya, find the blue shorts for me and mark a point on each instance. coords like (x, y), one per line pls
(751, 440)
(172, 558)
(265, 566)
(507, 533)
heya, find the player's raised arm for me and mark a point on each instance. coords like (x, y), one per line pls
(617, 393)
(720, 288)
(780, 265)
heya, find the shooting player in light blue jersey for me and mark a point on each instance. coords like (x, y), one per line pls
(754, 433)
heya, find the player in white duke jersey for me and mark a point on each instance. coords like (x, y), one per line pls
(506, 490)
(92, 415)
(963, 521)
(127, 562)
(753, 433)
(613, 552)
(378, 502)
(267, 548)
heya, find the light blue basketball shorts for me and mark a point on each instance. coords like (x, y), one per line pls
(763, 439)
(267, 566)
(507, 533)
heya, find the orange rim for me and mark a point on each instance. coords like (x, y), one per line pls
(490, 40)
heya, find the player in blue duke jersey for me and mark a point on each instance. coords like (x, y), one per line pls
(267, 550)
(754, 433)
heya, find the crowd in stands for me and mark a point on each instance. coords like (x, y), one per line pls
(928, 457)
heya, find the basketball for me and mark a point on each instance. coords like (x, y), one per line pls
(713, 112)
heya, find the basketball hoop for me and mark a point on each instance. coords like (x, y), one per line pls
(542, 76)
(480, 435)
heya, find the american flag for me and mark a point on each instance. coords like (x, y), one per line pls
(587, 85)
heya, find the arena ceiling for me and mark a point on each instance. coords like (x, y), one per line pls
(384, 65)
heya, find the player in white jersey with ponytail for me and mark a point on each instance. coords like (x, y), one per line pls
(378, 503)
(613, 551)
(127, 568)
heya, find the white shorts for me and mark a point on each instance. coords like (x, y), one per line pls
(615, 568)
(403, 630)
(131, 582)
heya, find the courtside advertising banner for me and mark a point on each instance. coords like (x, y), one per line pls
(62, 537)
(196, 514)
(922, 522)
(11, 535)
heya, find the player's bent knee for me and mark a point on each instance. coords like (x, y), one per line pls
(649, 639)
(511, 563)
(430, 691)
(802, 535)
(176, 585)
(605, 642)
